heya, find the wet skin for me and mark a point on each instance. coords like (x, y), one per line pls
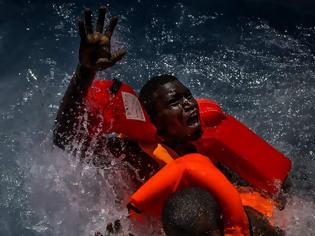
(177, 114)
(95, 54)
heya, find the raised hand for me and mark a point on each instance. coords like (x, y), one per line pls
(95, 51)
(94, 55)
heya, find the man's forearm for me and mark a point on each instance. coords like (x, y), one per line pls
(71, 105)
(94, 55)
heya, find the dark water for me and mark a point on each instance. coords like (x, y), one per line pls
(256, 58)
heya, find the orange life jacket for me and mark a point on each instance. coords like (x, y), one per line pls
(224, 138)
(119, 112)
(241, 150)
(193, 170)
(228, 141)
(164, 155)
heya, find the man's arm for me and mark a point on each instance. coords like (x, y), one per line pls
(94, 55)
(71, 106)
(260, 226)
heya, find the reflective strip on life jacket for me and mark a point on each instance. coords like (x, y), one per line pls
(193, 170)
(119, 112)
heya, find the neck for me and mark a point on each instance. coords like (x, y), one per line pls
(181, 148)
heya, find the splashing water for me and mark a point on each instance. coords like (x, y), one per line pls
(262, 75)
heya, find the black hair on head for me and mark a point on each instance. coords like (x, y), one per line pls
(146, 93)
(192, 211)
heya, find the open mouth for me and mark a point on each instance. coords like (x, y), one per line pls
(193, 120)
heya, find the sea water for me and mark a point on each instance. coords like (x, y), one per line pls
(257, 66)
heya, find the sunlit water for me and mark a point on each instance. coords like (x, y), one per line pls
(262, 75)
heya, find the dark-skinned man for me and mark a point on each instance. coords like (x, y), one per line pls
(170, 105)
(94, 55)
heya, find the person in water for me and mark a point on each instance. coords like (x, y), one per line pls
(170, 105)
(194, 212)
(95, 54)
(172, 108)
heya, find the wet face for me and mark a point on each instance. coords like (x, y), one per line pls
(177, 113)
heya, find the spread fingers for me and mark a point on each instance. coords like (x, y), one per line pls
(101, 18)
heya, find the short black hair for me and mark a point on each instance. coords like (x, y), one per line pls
(146, 93)
(192, 211)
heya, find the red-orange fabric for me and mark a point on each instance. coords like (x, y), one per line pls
(224, 138)
(193, 170)
(210, 112)
(245, 153)
(107, 113)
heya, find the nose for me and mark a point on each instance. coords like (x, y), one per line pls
(188, 104)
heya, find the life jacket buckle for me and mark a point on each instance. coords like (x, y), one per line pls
(114, 88)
